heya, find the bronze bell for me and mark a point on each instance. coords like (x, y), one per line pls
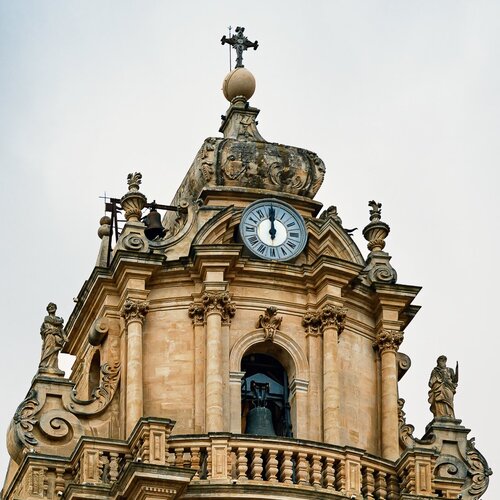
(260, 418)
(154, 226)
(260, 422)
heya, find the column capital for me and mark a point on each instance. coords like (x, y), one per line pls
(135, 310)
(333, 317)
(196, 312)
(329, 316)
(218, 302)
(388, 340)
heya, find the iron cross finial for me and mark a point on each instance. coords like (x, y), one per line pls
(239, 42)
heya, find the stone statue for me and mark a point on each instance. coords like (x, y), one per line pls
(443, 385)
(53, 339)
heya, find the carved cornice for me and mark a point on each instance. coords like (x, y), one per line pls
(269, 322)
(328, 317)
(135, 310)
(388, 340)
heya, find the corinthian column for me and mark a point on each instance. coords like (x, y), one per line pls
(218, 310)
(332, 320)
(134, 312)
(388, 342)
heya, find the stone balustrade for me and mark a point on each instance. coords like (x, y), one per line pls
(240, 458)
(105, 467)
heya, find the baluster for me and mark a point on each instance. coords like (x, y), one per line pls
(381, 486)
(393, 487)
(329, 474)
(368, 485)
(179, 457)
(256, 467)
(209, 462)
(286, 469)
(340, 476)
(195, 461)
(170, 456)
(302, 468)
(114, 466)
(242, 464)
(272, 466)
(316, 470)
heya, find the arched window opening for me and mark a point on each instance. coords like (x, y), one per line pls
(265, 385)
(94, 373)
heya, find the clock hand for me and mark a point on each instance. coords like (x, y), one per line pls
(272, 231)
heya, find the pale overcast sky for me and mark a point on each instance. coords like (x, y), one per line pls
(399, 98)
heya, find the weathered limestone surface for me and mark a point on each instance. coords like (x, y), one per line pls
(160, 331)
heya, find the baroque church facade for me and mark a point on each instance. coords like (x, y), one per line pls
(241, 347)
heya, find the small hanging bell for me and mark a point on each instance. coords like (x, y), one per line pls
(153, 224)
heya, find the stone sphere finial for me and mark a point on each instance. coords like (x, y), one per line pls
(239, 82)
(105, 227)
(134, 201)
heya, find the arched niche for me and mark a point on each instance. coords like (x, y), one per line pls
(290, 355)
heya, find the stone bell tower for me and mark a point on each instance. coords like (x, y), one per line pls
(241, 347)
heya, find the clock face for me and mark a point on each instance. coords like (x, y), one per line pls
(273, 230)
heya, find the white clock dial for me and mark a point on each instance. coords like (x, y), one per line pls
(273, 230)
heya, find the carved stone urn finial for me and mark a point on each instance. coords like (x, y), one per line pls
(378, 267)
(376, 231)
(134, 201)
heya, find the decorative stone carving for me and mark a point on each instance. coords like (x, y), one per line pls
(135, 310)
(24, 419)
(404, 364)
(269, 322)
(207, 159)
(328, 316)
(333, 316)
(378, 267)
(133, 202)
(406, 431)
(479, 471)
(180, 219)
(102, 396)
(196, 312)
(219, 302)
(376, 231)
(331, 213)
(53, 339)
(388, 340)
(311, 323)
(443, 385)
(134, 242)
(99, 331)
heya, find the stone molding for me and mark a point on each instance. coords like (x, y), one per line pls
(135, 310)
(329, 316)
(388, 340)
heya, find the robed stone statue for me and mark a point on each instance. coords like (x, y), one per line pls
(443, 385)
(53, 339)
